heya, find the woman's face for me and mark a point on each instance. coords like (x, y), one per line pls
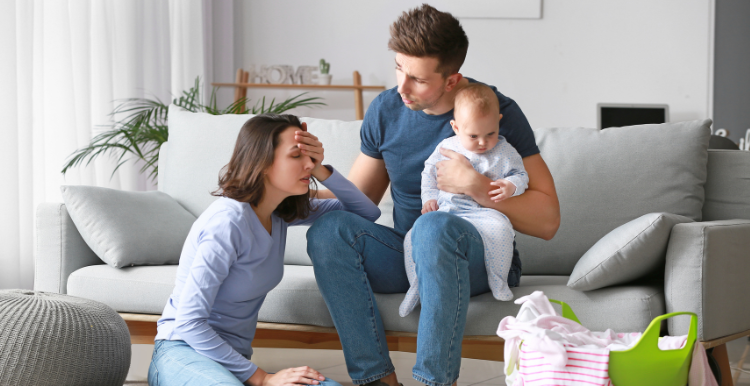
(290, 173)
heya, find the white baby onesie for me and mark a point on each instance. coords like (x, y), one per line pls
(502, 161)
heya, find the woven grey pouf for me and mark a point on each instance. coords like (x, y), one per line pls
(53, 339)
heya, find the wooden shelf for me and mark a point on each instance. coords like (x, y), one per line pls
(301, 86)
(241, 86)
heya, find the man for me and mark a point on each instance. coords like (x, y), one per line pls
(354, 258)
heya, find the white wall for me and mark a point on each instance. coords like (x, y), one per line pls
(557, 68)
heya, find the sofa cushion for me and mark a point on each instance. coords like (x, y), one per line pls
(128, 228)
(189, 175)
(142, 290)
(625, 308)
(296, 300)
(629, 252)
(605, 178)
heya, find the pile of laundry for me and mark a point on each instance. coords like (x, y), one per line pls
(544, 348)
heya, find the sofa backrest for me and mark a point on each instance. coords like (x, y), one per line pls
(605, 178)
(727, 186)
(201, 144)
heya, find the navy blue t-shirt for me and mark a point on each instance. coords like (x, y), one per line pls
(404, 139)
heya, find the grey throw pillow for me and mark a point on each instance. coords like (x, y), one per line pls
(628, 252)
(129, 228)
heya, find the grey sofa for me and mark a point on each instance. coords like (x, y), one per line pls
(604, 179)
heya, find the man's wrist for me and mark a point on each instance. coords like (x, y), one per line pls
(479, 187)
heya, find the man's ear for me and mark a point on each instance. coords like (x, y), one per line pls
(452, 81)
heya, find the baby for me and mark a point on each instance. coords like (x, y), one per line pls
(476, 122)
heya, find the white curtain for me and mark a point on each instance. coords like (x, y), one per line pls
(65, 64)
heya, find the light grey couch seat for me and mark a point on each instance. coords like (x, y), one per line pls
(604, 179)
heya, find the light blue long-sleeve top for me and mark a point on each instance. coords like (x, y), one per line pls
(228, 264)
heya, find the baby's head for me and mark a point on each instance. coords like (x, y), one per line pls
(476, 118)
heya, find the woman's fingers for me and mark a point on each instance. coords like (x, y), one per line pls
(301, 380)
(305, 137)
(311, 373)
(304, 375)
(311, 149)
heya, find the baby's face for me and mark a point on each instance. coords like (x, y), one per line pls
(476, 132)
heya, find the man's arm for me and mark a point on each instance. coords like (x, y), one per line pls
(535, 213)
(369, 175)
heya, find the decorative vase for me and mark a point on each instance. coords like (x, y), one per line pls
(324, 79)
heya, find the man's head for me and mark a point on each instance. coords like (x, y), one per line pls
(476, 118)
(430, 48)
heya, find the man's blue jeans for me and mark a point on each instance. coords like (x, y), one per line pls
(353, 258)
(176, 363)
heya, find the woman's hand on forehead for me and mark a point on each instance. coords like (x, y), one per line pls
(309, 145)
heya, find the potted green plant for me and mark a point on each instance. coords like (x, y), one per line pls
(324, 77)
(144, 127)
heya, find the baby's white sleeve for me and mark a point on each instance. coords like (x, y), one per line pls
(429, 176)
(515, 172)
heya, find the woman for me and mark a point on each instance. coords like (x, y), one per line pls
(233, 256)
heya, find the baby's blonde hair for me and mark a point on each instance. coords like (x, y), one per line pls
(478, 96)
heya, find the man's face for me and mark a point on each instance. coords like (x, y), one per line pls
(419, 83)
(477, 132)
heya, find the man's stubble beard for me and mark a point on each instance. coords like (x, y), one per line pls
(421, 106)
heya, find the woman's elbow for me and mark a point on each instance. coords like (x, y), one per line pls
(374, 214)
(186, 326)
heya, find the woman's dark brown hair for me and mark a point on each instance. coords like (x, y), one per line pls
(243, 178)
(427, 32)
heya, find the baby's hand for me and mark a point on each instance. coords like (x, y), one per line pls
(505, 189)
(430, 206)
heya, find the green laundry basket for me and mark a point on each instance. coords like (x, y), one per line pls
(645, 364)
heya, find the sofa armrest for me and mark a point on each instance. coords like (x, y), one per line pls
(708, 273)
(60, 249)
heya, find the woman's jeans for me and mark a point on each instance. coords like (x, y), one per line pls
(176, 363)
(354, 258)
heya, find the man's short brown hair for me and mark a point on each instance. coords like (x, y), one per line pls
(478, 96)
(427, 32)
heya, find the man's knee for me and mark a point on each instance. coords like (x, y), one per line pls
(440, 226)
(329, 229)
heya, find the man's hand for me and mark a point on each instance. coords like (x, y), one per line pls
(504, 190)
(287, 377)
(455, 175)
(430, 206)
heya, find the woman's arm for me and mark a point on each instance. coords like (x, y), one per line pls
(349, 199)
(215, 254)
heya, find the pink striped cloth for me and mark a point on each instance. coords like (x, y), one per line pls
(586, 366)
(543, 348)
